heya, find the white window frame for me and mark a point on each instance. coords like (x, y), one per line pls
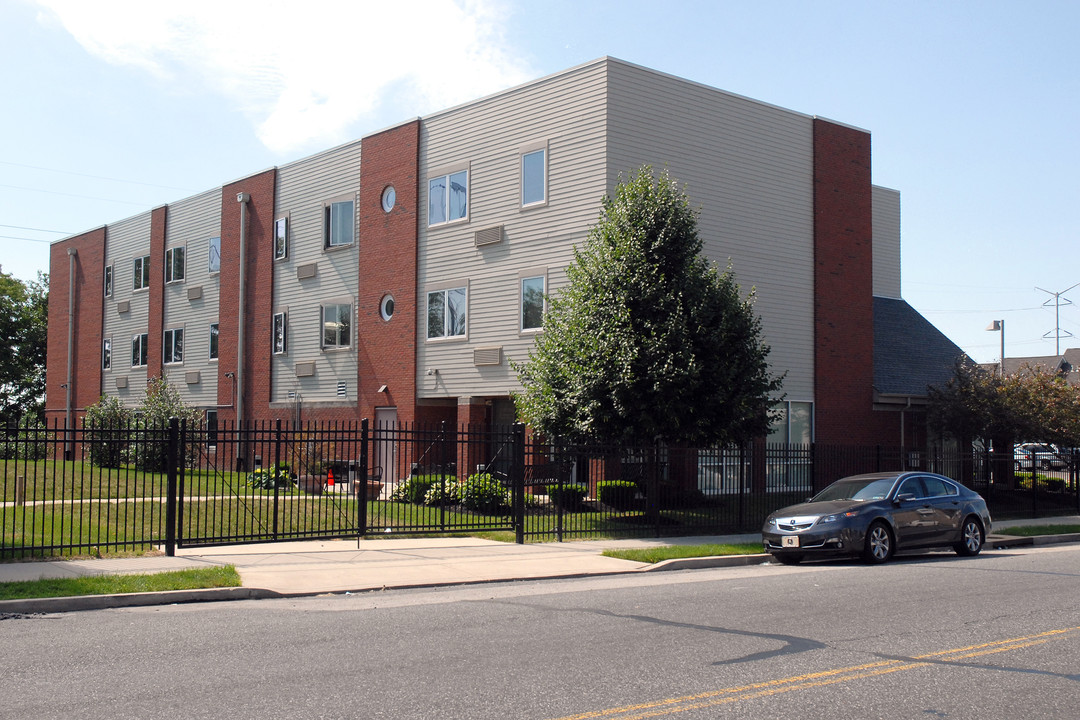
(214, 345)
(106, 353)
(446, 175)
(214, 252)
(139, 343)
(175, 259)
(531, 152)
(349, 325)
(108, 281)
(168, 342)
(141, 273)
(279, 333)
(329, 216)
(522, 279)
(444, 293)
(281, 238)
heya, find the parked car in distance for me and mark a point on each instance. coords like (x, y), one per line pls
(1041, 455)
(875, 515)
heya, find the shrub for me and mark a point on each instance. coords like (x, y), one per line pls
(26, 441)
(443, 491)
(619, 494)
(413, 489)
(484, 493)
(567, 497)
(162, 403)
(107, 424)
(277, 476)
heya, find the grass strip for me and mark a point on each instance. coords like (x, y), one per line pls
(1033, 530)
(193, 579)
(670, 552)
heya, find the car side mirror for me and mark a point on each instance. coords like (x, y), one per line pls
(903, 497)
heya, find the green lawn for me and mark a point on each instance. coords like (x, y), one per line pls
(1033, 530)
(194, 579)
(670, 552)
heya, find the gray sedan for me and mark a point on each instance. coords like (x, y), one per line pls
(878, 514)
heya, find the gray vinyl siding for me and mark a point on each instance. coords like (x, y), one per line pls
(886, 209)
(124, 241)
(191, 223)
(303, 188)
(748, 167)
(567, 112)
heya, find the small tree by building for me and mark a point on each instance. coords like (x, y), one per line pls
(107, 426)
(649, 341)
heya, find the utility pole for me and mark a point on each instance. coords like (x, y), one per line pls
(999, 326)
(1057, 315)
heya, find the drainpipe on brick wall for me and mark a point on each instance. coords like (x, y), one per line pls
(243, 199)
(72, 253)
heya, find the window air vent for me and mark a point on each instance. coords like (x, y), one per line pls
(488, 236)
(194, 293)
(303, 272)
(305, 369)
(123, 306)
(121, 382)
(192, 377)
(342, 389)
(488, 356)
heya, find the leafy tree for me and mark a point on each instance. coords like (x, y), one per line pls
(162, 402)
(648, 341)
(24, 311)
(107, 426)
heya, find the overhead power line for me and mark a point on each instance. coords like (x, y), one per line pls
(96, 177)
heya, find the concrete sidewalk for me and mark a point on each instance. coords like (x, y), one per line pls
(315, 567)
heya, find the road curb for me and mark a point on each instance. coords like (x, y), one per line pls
(712, 561)
(101, 602)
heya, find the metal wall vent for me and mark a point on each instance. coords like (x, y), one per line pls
(488, 236)
(123, 306)
(192, 377)
(305, 369)
(121, 382)
(303, 272)
(488, 356)
(194, 293)
(342, 389)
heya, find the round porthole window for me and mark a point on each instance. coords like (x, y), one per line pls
(389, 197)
(386, 307)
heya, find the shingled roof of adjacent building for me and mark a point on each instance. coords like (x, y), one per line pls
(909, 352)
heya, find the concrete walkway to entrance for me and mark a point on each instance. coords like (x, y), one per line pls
(335, 566)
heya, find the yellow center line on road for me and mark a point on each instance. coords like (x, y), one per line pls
(767, 688)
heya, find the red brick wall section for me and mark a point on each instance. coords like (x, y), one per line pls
(256, 311)
(843, 286)
(89, 305)
(388, 240)
(156, 312)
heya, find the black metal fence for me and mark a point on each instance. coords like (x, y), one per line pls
(130, 488)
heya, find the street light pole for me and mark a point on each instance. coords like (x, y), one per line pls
(999, 326)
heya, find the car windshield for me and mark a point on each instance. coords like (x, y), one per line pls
(856, 489)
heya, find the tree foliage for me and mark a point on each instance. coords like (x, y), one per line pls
(1029, 405)
(24, 316)
(649, 341)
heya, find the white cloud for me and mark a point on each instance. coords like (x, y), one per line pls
(304, 73)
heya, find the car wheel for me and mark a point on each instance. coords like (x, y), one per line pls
(788, 558)
(971, 538)
(879, 543)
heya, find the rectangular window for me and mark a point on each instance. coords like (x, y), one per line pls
(108, 281)
(142, 273)
(174, 264)
(213, 341)
(215, 255)
(532, 303)
(211, 429)
(338, 224)
(281, 238)
(336, 324)
(534, 178)
(280, 330)
(106, 354)
(173, 347)
(446, 313)
(448, 197)
(138, 350)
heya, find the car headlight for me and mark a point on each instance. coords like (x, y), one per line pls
(771, 522)
(836, 517)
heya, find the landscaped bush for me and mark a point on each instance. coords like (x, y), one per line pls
(162, 402)
(567, 497)
(484, 493)
(444, 491)
(106, 427)
(619, 494)
(413, 489)
(268, 478)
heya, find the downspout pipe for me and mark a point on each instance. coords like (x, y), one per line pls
(243, 198)
(72, 254)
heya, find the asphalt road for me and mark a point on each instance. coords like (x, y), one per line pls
(934, 636)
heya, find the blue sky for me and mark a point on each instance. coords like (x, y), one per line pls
(112, 107)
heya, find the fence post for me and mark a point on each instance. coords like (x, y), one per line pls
(517, 481)
(170, 501)
(273, 473)
(361, 495)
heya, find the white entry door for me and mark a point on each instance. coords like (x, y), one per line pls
(384, 445)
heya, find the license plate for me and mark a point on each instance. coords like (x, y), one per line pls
(790, 541)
